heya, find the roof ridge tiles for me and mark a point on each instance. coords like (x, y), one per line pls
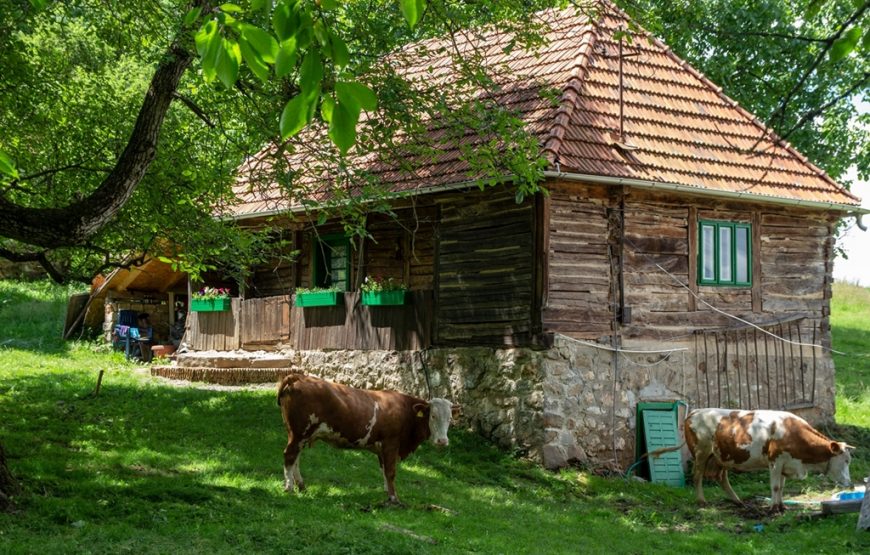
(571, 92)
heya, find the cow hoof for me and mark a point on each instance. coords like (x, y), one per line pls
(393, 502)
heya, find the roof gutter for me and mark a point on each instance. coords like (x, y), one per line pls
(676, 187)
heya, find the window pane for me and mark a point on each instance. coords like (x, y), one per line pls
(725, 254)
(708, 258)
(741, 242)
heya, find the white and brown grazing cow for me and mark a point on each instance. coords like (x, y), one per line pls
(724, 439)
(390, 424)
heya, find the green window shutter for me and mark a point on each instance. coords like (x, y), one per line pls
(331, 261)
(724, 253)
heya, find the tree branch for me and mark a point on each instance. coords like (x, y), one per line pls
(200, 113)
(75, 223)
(778, 115)
(821, 109)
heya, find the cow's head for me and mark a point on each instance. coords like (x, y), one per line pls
(838, 465)
(440, 412)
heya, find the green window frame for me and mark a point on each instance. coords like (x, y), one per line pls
(331, 261)
(724, 253)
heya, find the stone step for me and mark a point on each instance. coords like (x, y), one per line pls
(215, 359)
(222, 376)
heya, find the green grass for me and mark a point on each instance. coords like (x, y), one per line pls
(146, 467)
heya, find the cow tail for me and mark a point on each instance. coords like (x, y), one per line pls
(661, 451)
(285, 385)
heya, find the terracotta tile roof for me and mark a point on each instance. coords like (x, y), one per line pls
(685, 130)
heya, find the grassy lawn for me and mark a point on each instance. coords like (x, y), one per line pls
(147, 467)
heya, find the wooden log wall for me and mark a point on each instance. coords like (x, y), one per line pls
(485, 269)
(791, 265)
(403, 247)
(578, 300)
(353, 325)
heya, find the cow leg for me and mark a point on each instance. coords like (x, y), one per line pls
(292, 476)
(726, 485)
(390, 458)
(701, 460)
(777, 481)
(383, 472)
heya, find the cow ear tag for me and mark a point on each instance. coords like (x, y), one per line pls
(419, 414)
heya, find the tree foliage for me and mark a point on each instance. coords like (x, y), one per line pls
(77, 75)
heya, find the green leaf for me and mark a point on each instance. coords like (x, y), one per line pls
(412, 10)
(320, 33)
(230, 8)
(351, 92)
(7, 165)
(865, 44)
(845, 44)
(255, 63)
(39, 5)
(342, 128)
(328, 4)
(210, 58)
(192, 15)
(228, 63)
(294, 116)
(340, 54)
(813, 8)
(285, 61)
(285, 20)
(203, 37)
(263, 43)
(311, 72)
(326, 108)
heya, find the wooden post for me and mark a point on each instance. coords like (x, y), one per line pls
(864, 517)
(692, 225)
(99, 383)
(755, 254)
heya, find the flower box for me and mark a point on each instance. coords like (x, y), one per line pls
(383, 298)
(210, 305)
(319, 298)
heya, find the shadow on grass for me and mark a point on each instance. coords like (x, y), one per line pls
(193, 470)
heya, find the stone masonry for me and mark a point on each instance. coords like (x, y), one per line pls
(571, 404)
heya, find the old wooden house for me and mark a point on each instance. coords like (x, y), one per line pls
(682, 253)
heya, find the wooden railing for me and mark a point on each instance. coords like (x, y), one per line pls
(749, 369)
(266, 323)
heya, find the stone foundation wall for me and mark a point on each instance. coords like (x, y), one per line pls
(591, 396)
(573, 403)
(500, 390)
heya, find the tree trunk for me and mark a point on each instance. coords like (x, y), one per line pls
(8, 487)
(76, 223)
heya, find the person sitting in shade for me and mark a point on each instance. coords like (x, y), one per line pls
(146, 336)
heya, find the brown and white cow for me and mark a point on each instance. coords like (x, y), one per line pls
(722, 439)
(390, 424)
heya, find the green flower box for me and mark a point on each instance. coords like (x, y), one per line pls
(383, 298)
(210, 305)
(319, 298)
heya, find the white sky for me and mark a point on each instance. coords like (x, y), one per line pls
(856, 243)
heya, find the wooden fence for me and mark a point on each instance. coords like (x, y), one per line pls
(749, 369)
(264, 323)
